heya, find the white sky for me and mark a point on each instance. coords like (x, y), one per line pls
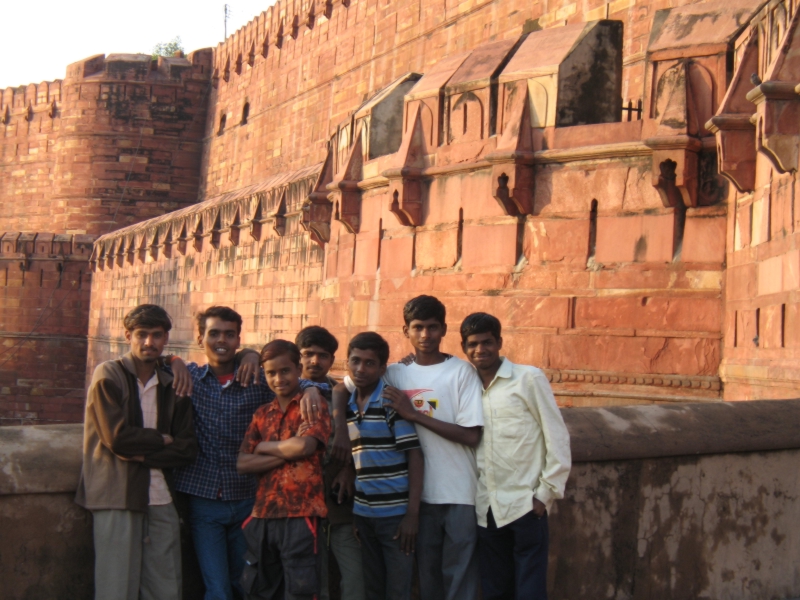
(41, 37)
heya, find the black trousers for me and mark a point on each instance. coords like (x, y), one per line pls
(513, 558)
(282, 560)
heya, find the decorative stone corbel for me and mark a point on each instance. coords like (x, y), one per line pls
(732, 125)
(512, 162)
(405, 180)
(778, 123)
(317, 208)
(674, 173)
(778, 104)
(216, 231)
(278, 215)
(344, 192)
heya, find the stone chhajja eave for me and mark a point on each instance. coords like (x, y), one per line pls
(248, 209)
(687, 74)
(764, 50)
(777, 97)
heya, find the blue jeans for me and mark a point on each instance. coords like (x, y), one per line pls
(219, 543)
(514, 558)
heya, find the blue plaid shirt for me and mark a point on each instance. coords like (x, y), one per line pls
(221, 417)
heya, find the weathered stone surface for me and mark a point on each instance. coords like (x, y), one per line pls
(663, 502)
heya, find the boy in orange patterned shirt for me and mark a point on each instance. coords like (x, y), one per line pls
(282, 560)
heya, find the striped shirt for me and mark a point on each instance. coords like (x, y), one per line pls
(380, 440)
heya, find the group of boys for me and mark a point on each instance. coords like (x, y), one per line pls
(448, 464)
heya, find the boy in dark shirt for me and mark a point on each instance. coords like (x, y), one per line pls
(317, 352)
(282, 559)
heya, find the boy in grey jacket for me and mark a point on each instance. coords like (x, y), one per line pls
(136, 430)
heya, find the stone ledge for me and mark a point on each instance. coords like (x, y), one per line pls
(42, 459)
(636, 432)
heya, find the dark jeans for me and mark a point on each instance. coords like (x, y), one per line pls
(447, 553)
(282, 561)
(514, 558)
(387, 570)
(219, 543)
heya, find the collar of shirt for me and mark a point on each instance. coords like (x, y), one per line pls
(275, 405)
(506, 371)
(205, 371)
(374, 398)
(152, 382)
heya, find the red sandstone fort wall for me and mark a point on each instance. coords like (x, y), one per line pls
(44, 314)
(117, 141)
(606, 273)
(357, 154)
(301, 73)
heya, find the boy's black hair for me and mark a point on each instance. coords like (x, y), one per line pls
(369, 340)
(147, 316)
(423, 308)
(314, 335)
(480, 322)
(220, 312)
(277, 348)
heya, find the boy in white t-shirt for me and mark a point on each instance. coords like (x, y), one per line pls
(441, 395)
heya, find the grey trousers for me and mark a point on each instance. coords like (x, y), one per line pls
(137, 555)
(447, 552)
(345, 548)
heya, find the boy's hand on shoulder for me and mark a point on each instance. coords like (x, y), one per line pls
(249, 367)
(311, 405)
(303, 429)
(398, 401)
(408, 359)
(407, 532)
(181, 378)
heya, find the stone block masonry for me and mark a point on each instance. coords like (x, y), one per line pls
(117, 141)
(355, 154)
(45, 288)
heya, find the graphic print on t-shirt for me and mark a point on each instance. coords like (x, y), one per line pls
(421, 404)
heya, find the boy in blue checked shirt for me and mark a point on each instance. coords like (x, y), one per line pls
(389, 468)
(227, 391)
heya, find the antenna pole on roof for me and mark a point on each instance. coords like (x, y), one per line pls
(227, 16)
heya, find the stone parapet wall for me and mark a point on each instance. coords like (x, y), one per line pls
(663, 502)
(45, 289)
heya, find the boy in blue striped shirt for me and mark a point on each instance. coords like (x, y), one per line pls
(389, 466)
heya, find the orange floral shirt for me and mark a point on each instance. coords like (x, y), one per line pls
(296, 488)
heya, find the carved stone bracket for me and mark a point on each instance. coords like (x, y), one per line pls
(778, 123)
(278, 215)
(512, 162)
(317, 208)
(736, 156)
(778, 105)
(674, 172)
(344, 193)
(405, 179)
(732, 125)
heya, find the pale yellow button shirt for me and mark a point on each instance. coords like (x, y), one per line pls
(525, 448)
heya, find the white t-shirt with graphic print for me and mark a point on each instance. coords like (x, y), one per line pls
(451, 392)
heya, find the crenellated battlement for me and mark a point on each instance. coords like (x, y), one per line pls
(28, 100)
(45, 245)
(267, 33)
(143, 67)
